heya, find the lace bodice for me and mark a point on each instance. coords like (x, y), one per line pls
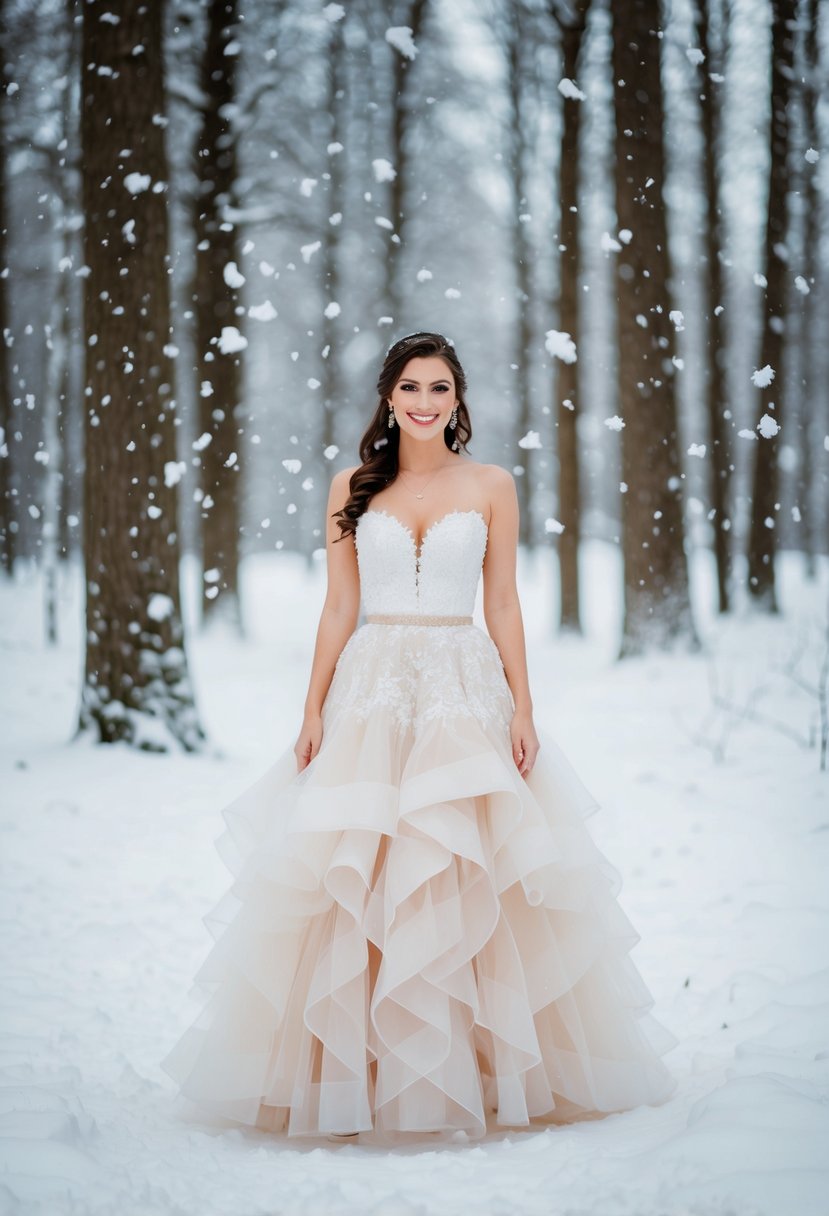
(441, 577)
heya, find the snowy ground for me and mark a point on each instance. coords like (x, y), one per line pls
(718, 820)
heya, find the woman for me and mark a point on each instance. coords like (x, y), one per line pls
(422, 936)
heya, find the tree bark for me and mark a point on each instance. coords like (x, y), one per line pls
(136, 685)
(762, 545)
(566, 395)
(216, 305)
(522, 261)
(6, 500)
(410, 14)
(657, 609)
(719, 426)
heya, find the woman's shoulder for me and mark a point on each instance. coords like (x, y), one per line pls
(495, 476)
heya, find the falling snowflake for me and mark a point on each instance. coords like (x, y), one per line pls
(231, 340)
(569, 89)
(531, 440)
(763, 377)
(232, 275)
(263, 312)
(400, 37)
(384, 170)
(768, 426)
(560, 345)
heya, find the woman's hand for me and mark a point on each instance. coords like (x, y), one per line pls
(308, 743)
(525, 744)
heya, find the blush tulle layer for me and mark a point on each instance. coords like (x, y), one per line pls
(418, 939)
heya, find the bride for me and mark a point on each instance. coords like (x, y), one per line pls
(421, 936)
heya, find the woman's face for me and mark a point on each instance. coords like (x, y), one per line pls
(424, 396)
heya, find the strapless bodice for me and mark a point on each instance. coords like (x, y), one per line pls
(440, 577)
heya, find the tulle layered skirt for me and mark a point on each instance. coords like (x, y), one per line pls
(417, 938)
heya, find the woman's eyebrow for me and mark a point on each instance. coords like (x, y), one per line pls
(411, 380)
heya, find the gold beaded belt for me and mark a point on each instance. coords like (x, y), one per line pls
(415, 618)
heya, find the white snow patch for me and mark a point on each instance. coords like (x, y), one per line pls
(201, 443)
(552, 525)
(762, 377)
(293, 466)
(331, 310)
(309, 250)
(331, 452)
(423, 275)
(697, 449)
(614, 423)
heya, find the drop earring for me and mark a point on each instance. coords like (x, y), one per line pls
(453, 422)
(391, 416)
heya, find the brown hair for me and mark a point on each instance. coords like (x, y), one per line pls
(380, 444)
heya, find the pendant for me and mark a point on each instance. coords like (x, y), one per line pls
(418, 495)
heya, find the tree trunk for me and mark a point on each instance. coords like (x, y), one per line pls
(136, 687)
(762, 545)
(218, 322)
(657, 609)
(331, 376)
(411, 15)
(719, 426)
(522, 261)
(6, 500)
(811, 391)
(566, 394)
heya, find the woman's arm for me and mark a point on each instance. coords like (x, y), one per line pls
(502, 612)
(337, 620)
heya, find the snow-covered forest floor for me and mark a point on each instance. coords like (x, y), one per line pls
(718, 820)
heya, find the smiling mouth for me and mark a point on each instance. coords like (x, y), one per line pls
(422, 419)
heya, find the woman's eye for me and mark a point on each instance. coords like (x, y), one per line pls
(441, 388)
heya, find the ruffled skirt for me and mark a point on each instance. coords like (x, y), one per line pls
(418, 939)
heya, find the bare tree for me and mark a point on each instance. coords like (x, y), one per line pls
(762, 544)
(136, 685)
(710, 77)
(657, 607)
(216, 305)
(516, 45)
(6, 501)
(572, 23)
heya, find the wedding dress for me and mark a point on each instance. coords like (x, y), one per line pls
(417, 938)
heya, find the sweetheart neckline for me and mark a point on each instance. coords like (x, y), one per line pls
(409, 531)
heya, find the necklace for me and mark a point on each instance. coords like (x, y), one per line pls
(423, 487)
